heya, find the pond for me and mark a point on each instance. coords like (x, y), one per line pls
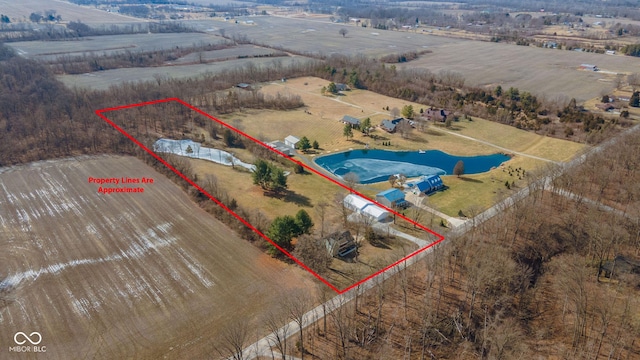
(377, 165)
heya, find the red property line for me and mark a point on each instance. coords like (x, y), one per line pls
(101, 112)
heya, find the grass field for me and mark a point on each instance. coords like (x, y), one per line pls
(20, 11)
(517, 140)
(319, 120)
(145, 276)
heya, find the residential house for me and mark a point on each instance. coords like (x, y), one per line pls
(351, 121)
(439, 115)
(427, 184)
(392, 198)
(340, 244)
(390, 125)
(342, 87)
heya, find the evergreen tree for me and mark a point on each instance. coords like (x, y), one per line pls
(365, 126)
(347, 131)
(304, 144)
(407, 111)
(635, 99)
(304, 222)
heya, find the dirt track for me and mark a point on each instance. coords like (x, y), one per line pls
(139, 275)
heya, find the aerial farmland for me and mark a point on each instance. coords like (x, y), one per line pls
(104, 275)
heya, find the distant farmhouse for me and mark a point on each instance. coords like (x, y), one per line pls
(390, 125)
(342, 87)
(351, 121)
(392, 198)
(437, 115)
(605, 107)
(340, 244)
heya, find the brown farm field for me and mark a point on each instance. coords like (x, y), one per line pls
(548, 72)
(142, 275)
(20, 11)
(102, 80)
(109, 44)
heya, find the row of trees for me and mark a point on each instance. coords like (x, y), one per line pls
(305, 144)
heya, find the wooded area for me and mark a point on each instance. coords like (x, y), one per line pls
(539, 279)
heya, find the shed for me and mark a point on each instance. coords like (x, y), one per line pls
(391, 198)
(351, 121)
(291, 141)
(340, 244)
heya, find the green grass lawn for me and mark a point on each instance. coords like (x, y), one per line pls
(480, 191)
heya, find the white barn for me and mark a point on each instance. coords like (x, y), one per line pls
(366, 207)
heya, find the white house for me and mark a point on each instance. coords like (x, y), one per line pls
(291, 141)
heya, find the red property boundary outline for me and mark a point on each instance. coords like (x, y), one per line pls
(101, 112)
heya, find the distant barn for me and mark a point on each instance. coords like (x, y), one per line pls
(365, 207)
(351, 121)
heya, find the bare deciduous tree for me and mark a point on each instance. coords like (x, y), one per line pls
(296, 305)
(234, 336)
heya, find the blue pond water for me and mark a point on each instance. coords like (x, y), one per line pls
(377, 165)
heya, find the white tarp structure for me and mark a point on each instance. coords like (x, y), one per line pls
(179, 147)
(365, 207)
